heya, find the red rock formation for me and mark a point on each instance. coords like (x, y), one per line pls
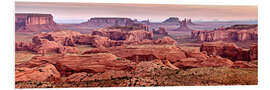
(58, 41)
(34, 22)
(233, 33)
(161, 31)
(100, 42)
(94, 63)
(213, 61)
(226, 50)
(243, 64)
(95, 50)
(139, 35)
(170, 53)
(43, 72)
(23, 46)
(111, 74)
(44, 46)
(83, 39)
(120, 34)
(253, 54)
(165, 40)
(197, 55)
(64, 37)
(68, 49)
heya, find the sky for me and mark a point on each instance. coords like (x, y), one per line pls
(153, 12)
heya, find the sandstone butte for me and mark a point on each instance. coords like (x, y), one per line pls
(233, 33)
(184, 26)
(26, 22)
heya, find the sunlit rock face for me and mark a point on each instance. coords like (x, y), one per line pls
(233, 33)
(26, 22)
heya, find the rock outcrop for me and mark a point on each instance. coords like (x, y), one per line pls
(94, 63)
(146, 53)
(165, 40)
(228, 50)
(233, 33)
(244, 64)
(43, 72)
(107, 22)
(123, 34)
(23, 46)
(63, 41)
(172, 20)
(253, 51)
(213, 61)
(160, 31)
(183, 26)
(59, 41)
(64, 37)
(26, 22)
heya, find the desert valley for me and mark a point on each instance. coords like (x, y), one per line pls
(125, 52)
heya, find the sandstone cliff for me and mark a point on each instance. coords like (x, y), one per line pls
(233, 33)
(230, 50)
(25, 22)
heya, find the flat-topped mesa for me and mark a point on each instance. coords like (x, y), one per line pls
(183, 26)
(233, 33)
(103, 22)
(172, 20)
(31, 22)
(107, 21)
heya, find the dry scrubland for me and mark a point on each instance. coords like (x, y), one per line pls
(165, 77)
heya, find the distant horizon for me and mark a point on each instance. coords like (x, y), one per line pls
(84, 20)
(152, 12)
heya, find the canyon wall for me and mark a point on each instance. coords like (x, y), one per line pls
(25, 22)
(233, 33)
(230, 51)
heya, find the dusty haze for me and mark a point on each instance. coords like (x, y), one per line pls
(153, 12)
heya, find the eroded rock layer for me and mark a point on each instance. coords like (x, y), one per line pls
(229, 50)
(233, 33)
(25, 22)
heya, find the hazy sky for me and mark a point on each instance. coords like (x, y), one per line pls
(153, 12)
